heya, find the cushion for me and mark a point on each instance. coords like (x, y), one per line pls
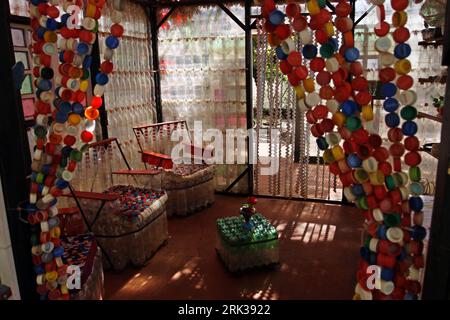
(80, 250)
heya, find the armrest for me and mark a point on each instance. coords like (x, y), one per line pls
(157, 159)
(68, 211)
(136, 172)
(95, 195)
(155, 154)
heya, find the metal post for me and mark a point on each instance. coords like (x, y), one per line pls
(95, 69)
(249, 88)
(437, 278)
(14, 161)
(153, 17)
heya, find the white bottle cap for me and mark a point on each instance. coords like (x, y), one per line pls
(332, 105)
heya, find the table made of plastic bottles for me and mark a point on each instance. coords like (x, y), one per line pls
(241, 248)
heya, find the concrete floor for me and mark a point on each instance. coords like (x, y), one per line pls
(319, 249)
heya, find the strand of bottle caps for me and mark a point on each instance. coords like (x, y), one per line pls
(64, 126)
(361, 162)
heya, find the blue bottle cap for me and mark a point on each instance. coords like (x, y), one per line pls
(402, 254)
(65, 151)
(44, 84)
(388, 89)
(390, 104)
(358, 190)
(276, 17)
(392, 120)
(40, 32)
(409, 128)
(57, 91)
(309, 51)
(87, 61)
(39, 269)
(373, 258)
(112, 42)
(64, 18)
(322, 143)
(53, 202)
(334, 43)
(47, 73)
(382, 232)
(61, 56)
(418, 233)
(102, 78)
(65, 107)
(402, 50)
(280, 53)
(61, 117)
(61, 184)
(351, 54)
(58, 251)
(40, 187)
(365, 253)
(410, 296)
(77, 108)
(38, 92)
(82, 48)
(51, 24)
(354, 161)
(416, 204)
(46, 169)
(349, 107)
(387, 274)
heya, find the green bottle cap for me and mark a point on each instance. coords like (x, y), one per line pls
(85, 75)
(362, 203)
(392, 219)
(76, 155)
(408, 113)
(352, 123)
(40, 131)
(415, 174)
(367, 241)
(326, 50)
(322, 3)
(40, 178)
(390, 183)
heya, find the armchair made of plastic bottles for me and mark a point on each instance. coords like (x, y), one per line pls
(81, 250)
(189, 186)
(127, 217)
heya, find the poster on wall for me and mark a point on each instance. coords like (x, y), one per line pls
(22, 56)
(18, 37)
(27, 87)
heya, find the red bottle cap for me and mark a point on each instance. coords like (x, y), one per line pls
(382, 29)
(387, 74)
(412, 143)
(294, 58)
(285, 67)
(405, 82)
(317, 64)
(301, 72)
(323, 78)
(413, 158)
(360, 84)
(401, 34)
(326, 92)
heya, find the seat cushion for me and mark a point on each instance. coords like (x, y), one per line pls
(187, 175)
(80, 250)
(134, 202)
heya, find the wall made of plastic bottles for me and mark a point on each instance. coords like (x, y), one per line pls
(129, 97)
(202, 61)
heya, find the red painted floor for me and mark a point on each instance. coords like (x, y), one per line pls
(319, 248)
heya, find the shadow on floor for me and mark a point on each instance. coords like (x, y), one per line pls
(319, 249)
